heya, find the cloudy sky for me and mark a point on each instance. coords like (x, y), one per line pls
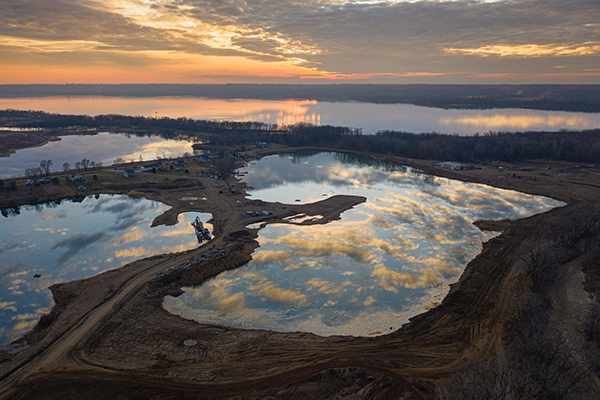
(299, 41)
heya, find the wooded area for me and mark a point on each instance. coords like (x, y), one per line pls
(575, 146)
(580, 98)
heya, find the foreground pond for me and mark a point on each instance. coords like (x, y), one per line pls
(67, 240)
(383, 262)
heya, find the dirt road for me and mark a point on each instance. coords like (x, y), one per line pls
(111, 338)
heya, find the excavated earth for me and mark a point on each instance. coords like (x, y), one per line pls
(108, 336)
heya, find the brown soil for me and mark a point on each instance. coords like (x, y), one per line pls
(491, 225)
(109, 337)
(12, 141)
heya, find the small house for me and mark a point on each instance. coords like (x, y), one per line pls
(262, 145)
(76, 178)
(155, 167)
(455, 166)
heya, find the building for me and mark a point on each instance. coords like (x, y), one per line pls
(76, 178)
(155, 167)
(129, 173)
(455, 166)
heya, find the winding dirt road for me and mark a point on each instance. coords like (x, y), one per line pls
(111, 338)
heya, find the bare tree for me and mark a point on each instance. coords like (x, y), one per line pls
(225, 166)
(66, 166)
(488, 381)
(33, 172)
(85, 163)
(45, 166)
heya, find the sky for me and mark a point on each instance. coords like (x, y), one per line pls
(299, 41)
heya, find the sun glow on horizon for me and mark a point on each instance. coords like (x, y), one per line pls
(367, 41)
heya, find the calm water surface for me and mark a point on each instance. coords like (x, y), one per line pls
(385, 261)
(67, 240)
(370, 117)
(104, 147)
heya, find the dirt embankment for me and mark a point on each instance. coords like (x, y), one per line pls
(109, 337)
(136, 349)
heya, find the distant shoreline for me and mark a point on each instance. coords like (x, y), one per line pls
(560, 97)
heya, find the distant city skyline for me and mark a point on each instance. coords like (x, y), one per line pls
(293, 41)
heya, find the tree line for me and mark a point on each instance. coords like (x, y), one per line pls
(576, 146)
(38, 119)
(581, 98)
(45, 165)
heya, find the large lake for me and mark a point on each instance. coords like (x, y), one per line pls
(106, 148)
(386, 260)
(67, 240)
(370, 117)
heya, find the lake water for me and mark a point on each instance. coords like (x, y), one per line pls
(67, 240)
(370, 117)
(104, 147)
(386, 260)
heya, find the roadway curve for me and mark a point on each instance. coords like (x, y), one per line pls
(111, 338)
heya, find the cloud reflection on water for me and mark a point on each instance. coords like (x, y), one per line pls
(103, 147)
(384, 261)
(77, 243)
(68, 241)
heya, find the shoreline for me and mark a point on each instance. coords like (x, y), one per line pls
(17, 137)
(127, 339)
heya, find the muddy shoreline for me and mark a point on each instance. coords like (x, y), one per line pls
(108, 336)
